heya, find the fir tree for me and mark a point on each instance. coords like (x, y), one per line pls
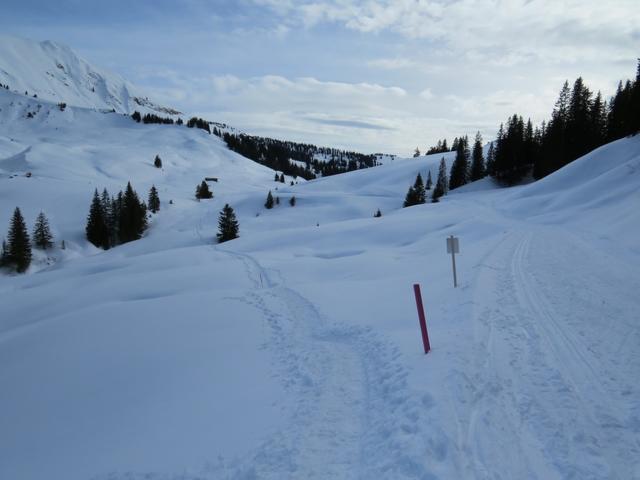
(157, 162)
(378, 214)
(96, 228)
(42, 237)
(132, 221)
(277, 200)
(410, 198)
(19, 244)
(202, 191)
(227, 225)
(292, 201)
(4, 254)
(105, 203)
(598, 119)
(490, 159)
(416, 153)
(415, 194)
(153, 200)
(276, 178)
(477, 162)
(282, 178)
(429, 181)
(418, 188)
(269, 203)
(442, 183)
(113, 220)
(460, 166)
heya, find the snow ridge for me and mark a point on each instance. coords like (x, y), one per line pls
(54, 72)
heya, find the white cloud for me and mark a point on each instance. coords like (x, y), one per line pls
(426, 94)
(365, 116)
(523, 28)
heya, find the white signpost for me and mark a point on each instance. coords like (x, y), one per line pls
(453, 247)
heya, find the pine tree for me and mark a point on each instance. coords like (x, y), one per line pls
(277, 200)
(418, 188)
(133, 216)
(113, 219)
(4, 254)
(292, 201)
(416, 153)
(96, 228)
(460, 167)
(477, 162)
(378, 214)
(442, 183)
(227, 225)
(153, 200)
(282, 178)
(276, 178)
(42, 237)
(578, 122)
(157, 162)
(598, 120)
(19, 244)
(491, 157)
(429, 181)
(410, 198)
(202, 191)
(416, 193)
(269, 203)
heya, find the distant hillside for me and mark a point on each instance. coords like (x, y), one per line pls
(52, 71)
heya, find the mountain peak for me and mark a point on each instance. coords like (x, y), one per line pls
(54, 72)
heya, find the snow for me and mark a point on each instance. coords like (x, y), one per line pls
(55, 73)
(294, 351)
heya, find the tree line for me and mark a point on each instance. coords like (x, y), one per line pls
(580, 122)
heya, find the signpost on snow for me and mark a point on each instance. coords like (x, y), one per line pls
(453, 247)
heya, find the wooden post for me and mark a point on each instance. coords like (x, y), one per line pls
(421, 317)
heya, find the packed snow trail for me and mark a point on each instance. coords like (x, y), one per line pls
(534, 385)
(351, 414)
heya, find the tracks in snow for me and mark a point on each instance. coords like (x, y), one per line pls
(351, 415)
(533, 386)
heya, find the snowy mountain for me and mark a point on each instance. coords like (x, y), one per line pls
(294, 351)
(54, 72)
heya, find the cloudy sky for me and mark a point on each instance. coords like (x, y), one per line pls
(386, 75)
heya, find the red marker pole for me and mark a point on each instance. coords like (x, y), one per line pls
(423, 321)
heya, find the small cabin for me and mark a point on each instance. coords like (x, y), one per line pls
(210, 179)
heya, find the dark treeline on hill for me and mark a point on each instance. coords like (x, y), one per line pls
(198, 123)
(116, 220)
(579, 123)
(152, 118)
(277, 153)
(440, 147)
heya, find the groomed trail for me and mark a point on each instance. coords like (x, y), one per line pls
(538, 383)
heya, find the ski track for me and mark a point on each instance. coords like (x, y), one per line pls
(532, 384)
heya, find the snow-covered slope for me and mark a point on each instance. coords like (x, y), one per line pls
(54, 72)
(294, 351)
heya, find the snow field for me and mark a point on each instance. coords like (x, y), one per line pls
(294, 351)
